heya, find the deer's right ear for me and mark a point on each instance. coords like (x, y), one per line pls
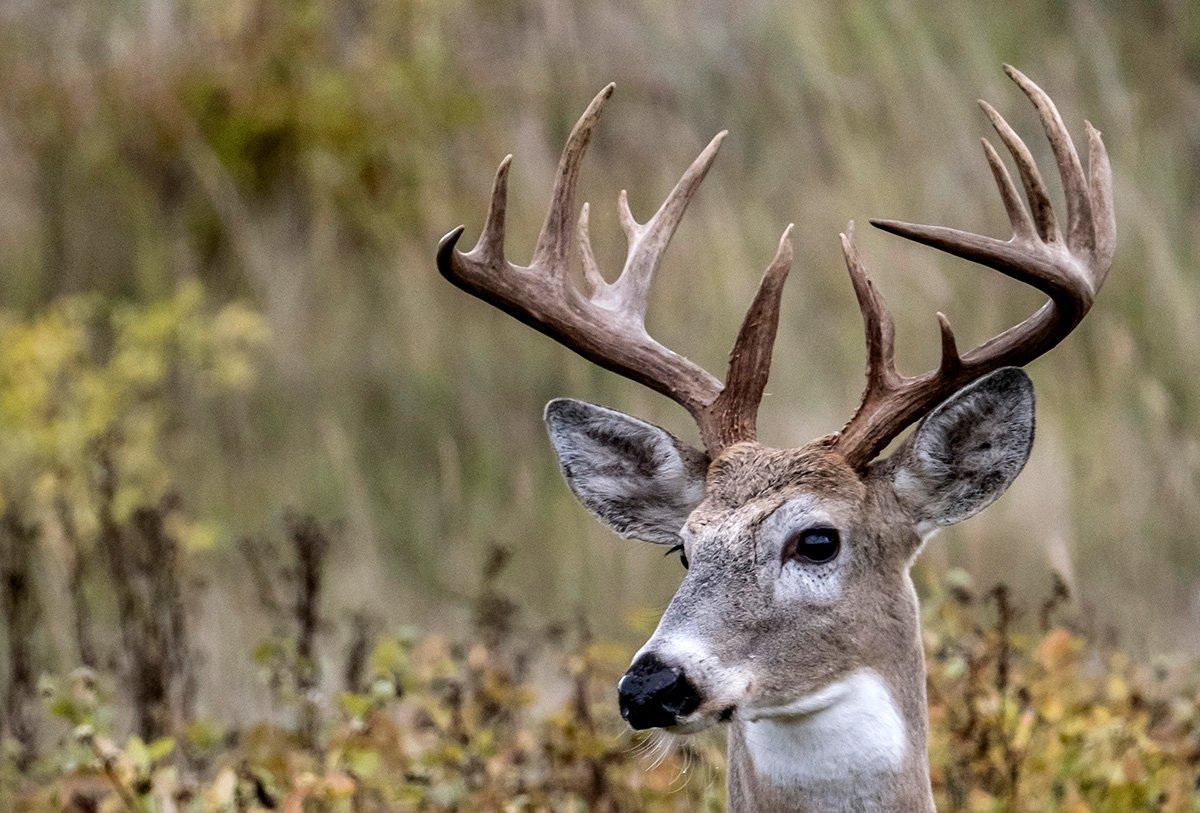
(968, 451)
(640, 480)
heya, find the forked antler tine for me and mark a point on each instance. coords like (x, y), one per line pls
(1103, 214)
(1075, 185)
(607, 324)
(877, 321)
(1031, 177)
(648, 241)
(554, 241)
(750, 359)
(1012, 258)
(1069, 272)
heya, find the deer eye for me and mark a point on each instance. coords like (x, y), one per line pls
(813, 546)
(682, 556)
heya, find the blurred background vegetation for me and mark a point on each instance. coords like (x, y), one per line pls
(221, 315)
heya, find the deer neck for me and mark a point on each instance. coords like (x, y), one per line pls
(857, 744)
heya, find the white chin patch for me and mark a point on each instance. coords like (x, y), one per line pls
(849, 728)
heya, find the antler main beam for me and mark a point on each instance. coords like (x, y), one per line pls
(1069, 271)
(606, 323)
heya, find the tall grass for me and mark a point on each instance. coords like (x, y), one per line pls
(308, 156)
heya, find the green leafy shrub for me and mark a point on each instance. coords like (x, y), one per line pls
(1021, 720)
(87, 380)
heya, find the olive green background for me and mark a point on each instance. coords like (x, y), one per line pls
(305, 158)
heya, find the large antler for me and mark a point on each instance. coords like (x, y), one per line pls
(1069, 272)
(607, 323)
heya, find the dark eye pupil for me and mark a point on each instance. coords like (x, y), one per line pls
(816, 545)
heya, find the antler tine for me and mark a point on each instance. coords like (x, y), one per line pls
(554, 241)
(951, 360)
(1100, 190)
(877, 322)
(883, 380)
(1008, 257)
(1079, 209)
(591, 271)
(735, 411)
(491, 240)
(1018, 216)
(648, 241)
(1069, 272)
(1031, 177)
(606, 322)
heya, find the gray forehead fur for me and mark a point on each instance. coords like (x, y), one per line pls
(794, 632)
(793, 628)
(803, 510)
(635, 477)
(968, 451)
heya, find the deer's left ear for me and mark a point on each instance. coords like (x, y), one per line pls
(968, 451)
(638, 479)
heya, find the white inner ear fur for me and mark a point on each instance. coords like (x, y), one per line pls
(635, 477)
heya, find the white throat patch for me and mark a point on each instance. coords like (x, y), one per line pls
(850, 728)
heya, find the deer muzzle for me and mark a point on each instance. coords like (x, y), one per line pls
(655, 695)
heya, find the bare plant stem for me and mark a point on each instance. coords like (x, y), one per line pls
(311, 544)
(144, 572)
(85, 642)
(21, 609)
(108, 764)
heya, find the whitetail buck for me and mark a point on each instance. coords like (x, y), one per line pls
(797, 623)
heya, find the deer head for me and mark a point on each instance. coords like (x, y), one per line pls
(797, 593)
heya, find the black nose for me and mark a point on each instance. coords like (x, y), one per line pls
(654, 695)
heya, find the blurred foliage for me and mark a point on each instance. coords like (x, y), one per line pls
(87, 381)
(1028, 715)
(216, 234)
(306, 157)
(1023, 719)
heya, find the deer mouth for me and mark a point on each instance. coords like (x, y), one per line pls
(702, 720)
(698, 723)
